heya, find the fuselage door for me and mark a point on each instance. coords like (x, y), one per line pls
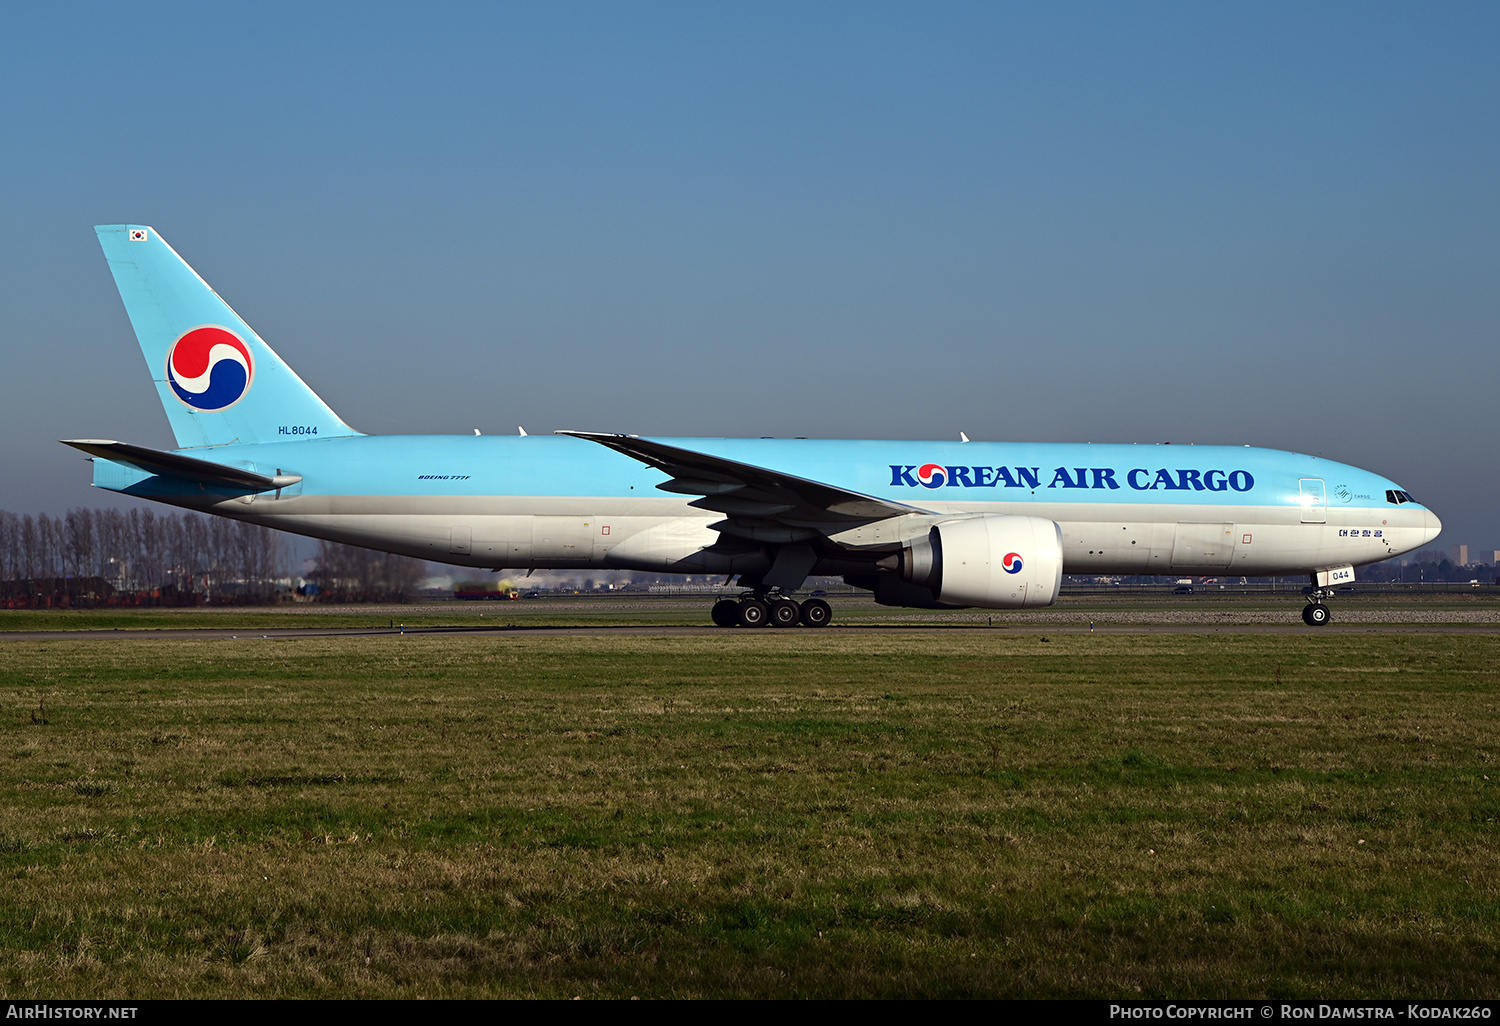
(566, 541)
(1203, 547)
(1314, 500)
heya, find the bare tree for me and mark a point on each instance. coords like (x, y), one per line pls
(154, 557)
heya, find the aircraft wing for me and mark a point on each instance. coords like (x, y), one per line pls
(750, 495)
(171, 464)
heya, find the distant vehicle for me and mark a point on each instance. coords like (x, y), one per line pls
(490, 594)
(921, 524)
(1183, 589)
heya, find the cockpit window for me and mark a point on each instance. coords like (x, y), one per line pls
(1396, 498)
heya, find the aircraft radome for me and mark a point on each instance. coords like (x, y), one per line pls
(930, 524)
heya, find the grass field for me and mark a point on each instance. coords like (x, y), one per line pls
(767, 813)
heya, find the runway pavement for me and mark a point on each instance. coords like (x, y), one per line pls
(1218, 626)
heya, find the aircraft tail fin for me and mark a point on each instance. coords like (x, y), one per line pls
(219, 382)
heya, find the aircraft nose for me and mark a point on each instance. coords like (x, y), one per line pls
(1431, 526)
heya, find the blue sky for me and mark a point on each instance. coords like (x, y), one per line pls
(1269, 224)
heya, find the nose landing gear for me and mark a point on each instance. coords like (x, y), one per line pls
(1316, 614)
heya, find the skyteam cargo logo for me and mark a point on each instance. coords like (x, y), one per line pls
(210, 368)
(1011, 563)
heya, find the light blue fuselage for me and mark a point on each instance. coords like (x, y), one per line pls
(549, 501)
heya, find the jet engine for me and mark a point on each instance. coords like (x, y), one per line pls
(991, 560)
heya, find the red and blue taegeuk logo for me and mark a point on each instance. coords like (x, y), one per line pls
(1012, 562)
(932, 476)
(210, 368)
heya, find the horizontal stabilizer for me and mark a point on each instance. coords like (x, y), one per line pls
(187, 468)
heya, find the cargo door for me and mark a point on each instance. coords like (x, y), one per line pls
(563, 541)
(1203, 547)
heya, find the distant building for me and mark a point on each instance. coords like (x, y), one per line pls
(1463, 555)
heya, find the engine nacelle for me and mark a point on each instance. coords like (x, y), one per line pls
(992, 560)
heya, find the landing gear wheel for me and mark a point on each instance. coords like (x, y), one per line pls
(1316, 614)
(725, 613)
(753, 613)
(785, 613)
(816, 613)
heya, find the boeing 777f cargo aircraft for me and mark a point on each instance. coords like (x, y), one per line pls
(931, 524)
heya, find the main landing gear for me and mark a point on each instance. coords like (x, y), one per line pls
(775, 610)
